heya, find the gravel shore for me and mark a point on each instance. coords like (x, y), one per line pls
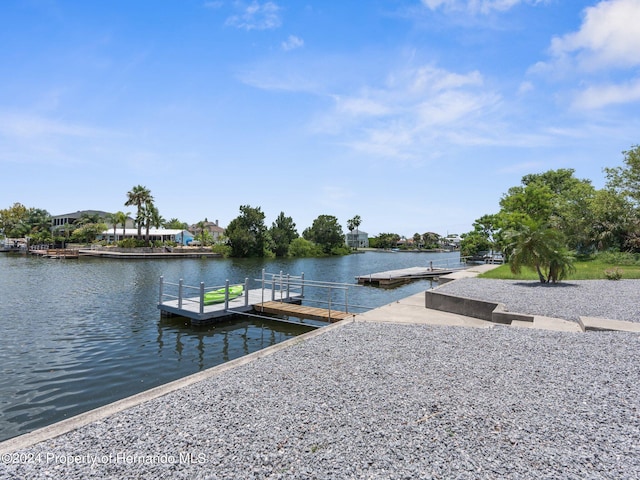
(615, 300)
(381, 401)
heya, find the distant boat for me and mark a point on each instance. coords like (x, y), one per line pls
(9, 246)
(219, 295)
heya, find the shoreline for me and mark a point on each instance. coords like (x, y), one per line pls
(348, 402)
(332, 400)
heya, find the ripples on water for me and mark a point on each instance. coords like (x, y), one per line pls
(78, 334)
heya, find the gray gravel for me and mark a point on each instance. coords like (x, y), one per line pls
(615, 300)
(382, 401)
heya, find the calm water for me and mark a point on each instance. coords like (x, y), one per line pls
(78, 334)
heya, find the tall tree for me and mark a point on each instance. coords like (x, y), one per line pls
(139, 196)
(417, 240)
(624, 181)
(20, 221)
(431, 240)
(112, 218)
(283, 232)
(556, 198)
(246, 234)
(121, 218)
(325, 232)
(150, 217)
(626, 178)
(354, 223)
(176, 224)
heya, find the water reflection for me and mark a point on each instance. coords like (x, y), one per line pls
(227, 340)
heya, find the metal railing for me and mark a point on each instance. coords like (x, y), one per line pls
(183, 293)
(274, 286)
(287, 285)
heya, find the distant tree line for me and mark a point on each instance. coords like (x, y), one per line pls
(246, 235)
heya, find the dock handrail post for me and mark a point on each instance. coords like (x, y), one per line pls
(302, 288)
(226, 295)
(288, 286)
(329, 304)
(246, 291)
(273, 287)
(431, 265)
(161, 289)
(281, 286)
(180, 293)
(201, 297)
(262, 286)
(346, 300)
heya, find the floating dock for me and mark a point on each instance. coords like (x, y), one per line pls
(191, 307)
(278, 295)
(403, 275)
(56, 252)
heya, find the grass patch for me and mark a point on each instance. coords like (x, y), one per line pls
(585, 270)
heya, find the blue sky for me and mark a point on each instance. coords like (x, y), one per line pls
(416, 115)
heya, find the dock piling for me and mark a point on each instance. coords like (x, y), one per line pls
(201, 298)
(226, 294)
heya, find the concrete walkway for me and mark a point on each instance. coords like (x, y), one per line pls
(411, 310)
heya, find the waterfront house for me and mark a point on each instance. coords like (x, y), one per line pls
(181, 237)
(357, 239)
(64, 222)
(213, 228)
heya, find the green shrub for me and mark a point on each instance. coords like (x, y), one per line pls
(131, 243)
(619, 258)
(222, 249)
(613, 274)
(300, 247)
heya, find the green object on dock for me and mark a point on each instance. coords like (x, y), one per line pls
(218, 296)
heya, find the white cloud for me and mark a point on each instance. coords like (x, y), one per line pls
(214, 4)
(256, 16)
(292, 42)
(525, 87)
(477, 6)
(599, 96)
(602, 54)
(412, 112)
(29, 126)
(608, 37)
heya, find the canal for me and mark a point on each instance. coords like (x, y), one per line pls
(81, 333)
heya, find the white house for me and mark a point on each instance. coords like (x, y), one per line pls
(183, 237)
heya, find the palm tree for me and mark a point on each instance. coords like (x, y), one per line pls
(154, 219)
(139, 196)
(113, 219)
(540, 247)
(354, 223)
(121, 218)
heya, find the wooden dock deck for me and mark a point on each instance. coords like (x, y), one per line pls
(403, 275)
(301, 311)
(56, 252)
